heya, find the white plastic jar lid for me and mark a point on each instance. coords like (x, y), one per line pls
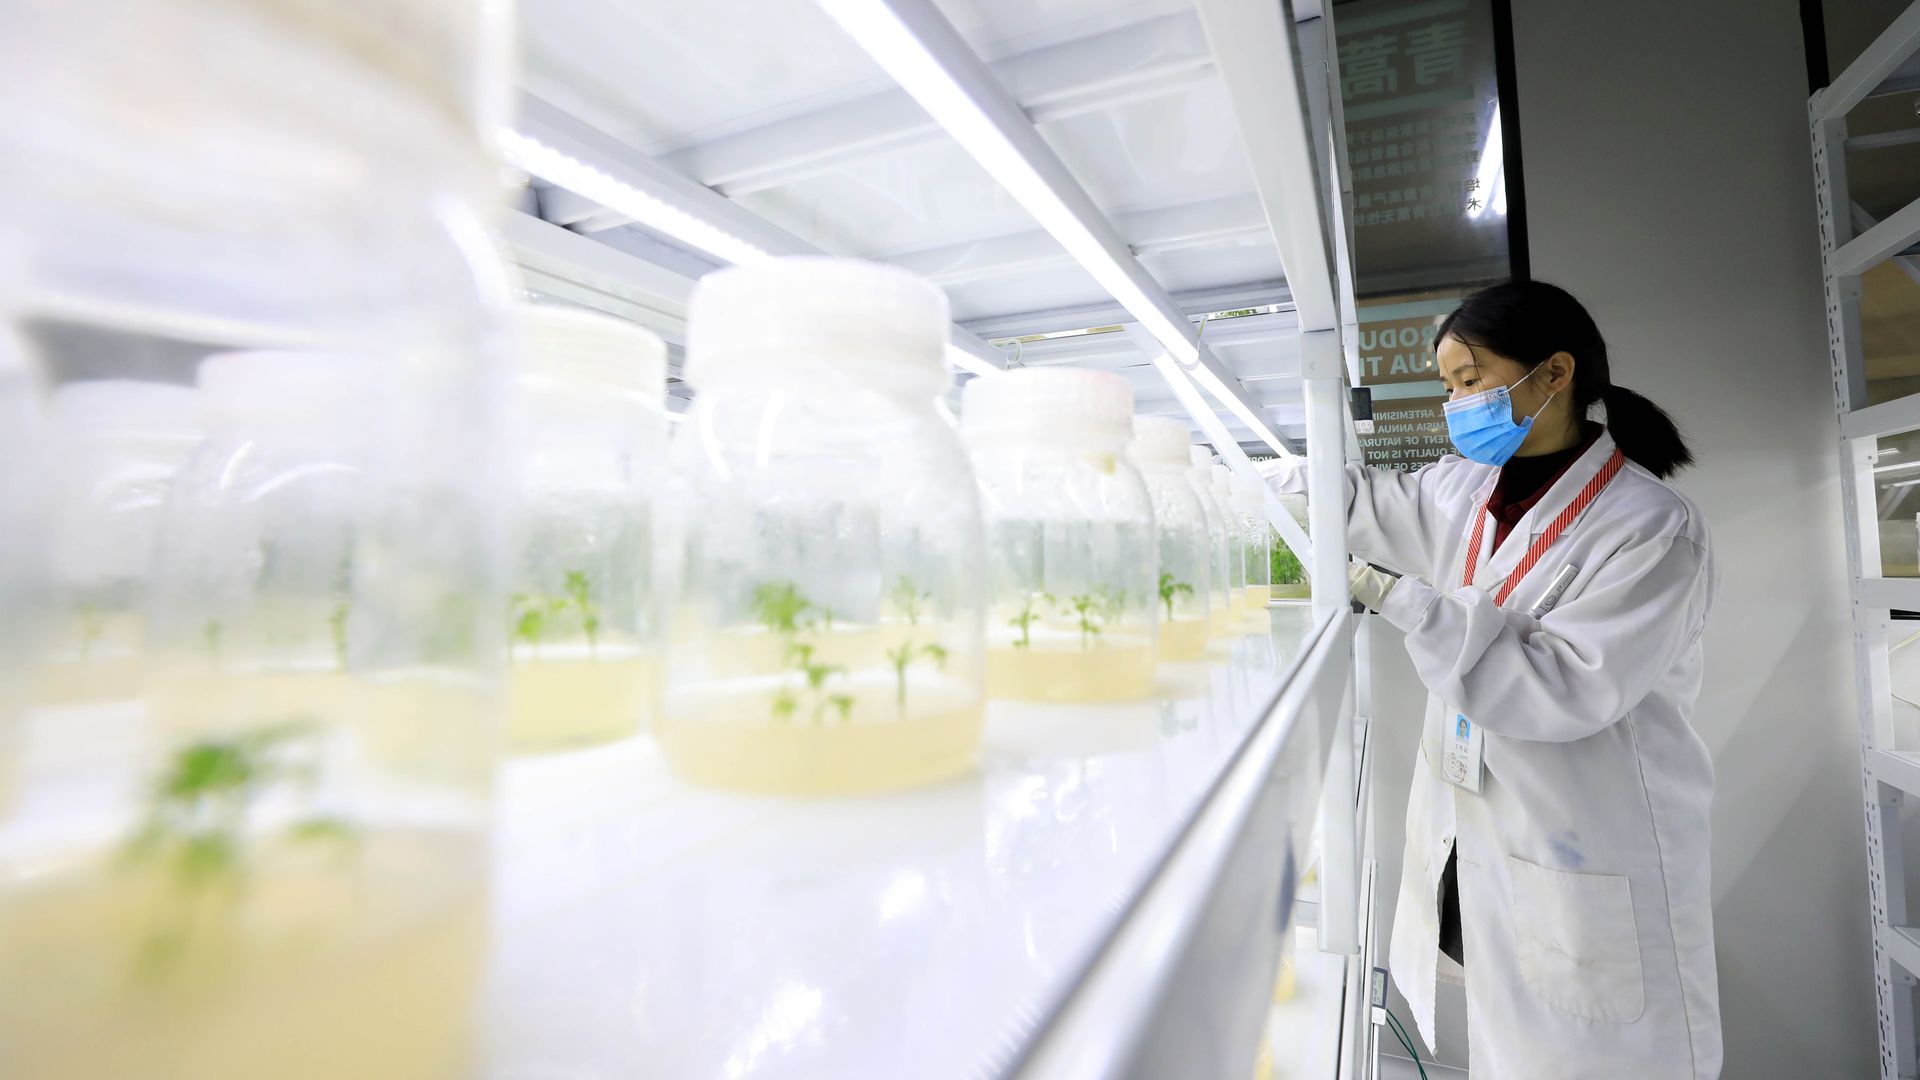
(1202, 457)
(595, 358)
(128, 407)
(1053, 403)
(778, 318)
(1159, 440)
(1246, 493)
(303, 389)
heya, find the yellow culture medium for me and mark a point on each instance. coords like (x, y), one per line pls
(864, 730)
(317, 959)
(1183, 639)
(574, 696)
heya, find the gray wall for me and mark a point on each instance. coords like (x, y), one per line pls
(1669, 187)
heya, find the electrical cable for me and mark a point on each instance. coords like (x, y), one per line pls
(1406, 1040)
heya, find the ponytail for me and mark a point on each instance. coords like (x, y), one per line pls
(1530, 321)
(1645, 433)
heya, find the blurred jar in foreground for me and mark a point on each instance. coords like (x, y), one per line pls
(1159, 449)
(1256, 545)
(583, 637)
(117, 445)
(23, 583)
(1072, 552)
(827, 637)
(273, 863)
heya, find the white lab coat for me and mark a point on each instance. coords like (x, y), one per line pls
(1583, 862)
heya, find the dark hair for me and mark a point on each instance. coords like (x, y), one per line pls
(1529, 321)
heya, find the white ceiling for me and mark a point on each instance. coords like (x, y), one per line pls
(768, 103)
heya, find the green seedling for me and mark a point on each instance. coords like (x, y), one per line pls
(779, 606)
(1028, 616)
(907, 597)
(784, 705)
(1089, 616)
(92, 625)
(904, 656)
(1169, 589)
(530, 612)
(196, 826)
(1024, 623)
(785, 611)
(534, 614)
(337, 626)
(210, 633)
(580, 593)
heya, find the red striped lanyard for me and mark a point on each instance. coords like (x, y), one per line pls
(1545, 540)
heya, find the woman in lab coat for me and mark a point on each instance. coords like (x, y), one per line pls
(1553, 594)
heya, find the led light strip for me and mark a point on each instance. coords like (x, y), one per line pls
(564, 170)
(892, 45)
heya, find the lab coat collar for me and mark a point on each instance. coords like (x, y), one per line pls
(1558, 497)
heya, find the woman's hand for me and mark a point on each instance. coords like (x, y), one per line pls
(1369, 586)
(1285, 475)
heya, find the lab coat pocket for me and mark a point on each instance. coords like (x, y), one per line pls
(1578, 944)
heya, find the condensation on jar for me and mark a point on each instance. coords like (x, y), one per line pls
(1072, 547)
(1184, 587)
(585, 636)
(827, 627)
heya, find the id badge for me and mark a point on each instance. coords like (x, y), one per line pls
(1463, 753)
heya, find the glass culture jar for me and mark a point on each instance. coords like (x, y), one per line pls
(1219, 557)
(583, 637)
(273, 861)
(1233, 577)
(1071, 541)
(1236, 544)
(1256, 540)
(117, 446)
(827, 636)
(1159, 450)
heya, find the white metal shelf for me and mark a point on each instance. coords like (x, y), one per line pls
(1884, 593)
(1889, 238)
(645, 927)
(1886, 418)
(1887, 775)
(1895, 769)
(1903, 947)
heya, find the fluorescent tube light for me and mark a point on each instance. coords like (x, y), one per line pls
(902, 54)
(531, 155)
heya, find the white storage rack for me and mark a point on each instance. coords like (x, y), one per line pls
(1058, 166)
(1890, 775)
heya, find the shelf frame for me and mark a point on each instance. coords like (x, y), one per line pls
(1888, 778)
(1181, 987)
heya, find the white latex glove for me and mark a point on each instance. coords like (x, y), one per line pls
(1369, 586)
(1285, 475)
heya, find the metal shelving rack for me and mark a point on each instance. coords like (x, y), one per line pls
(1889, 775)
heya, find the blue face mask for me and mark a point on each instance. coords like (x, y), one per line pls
(1482, 426)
